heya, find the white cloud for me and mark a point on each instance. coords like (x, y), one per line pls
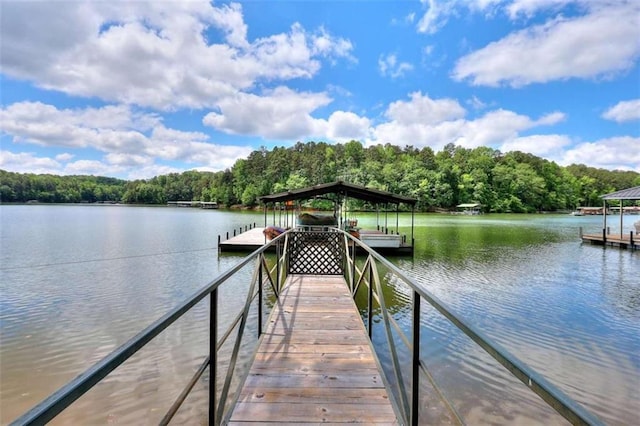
(476, 103)
(601, 43)
(421, 109)
(25, 162)
(108, 128)
(621, 153)
(416, 134)
(279, 114)
(339, 91)
(624, 111)
(439, 11)
(423, 121)
(89, 167)
(64, 157)
(326, 45)
(527, 8)
(345, 126)
(390, 66)
(551, 118)
(436, 16)
(229, 18)
(285, 114)
(153, 54)
(152, 171)
(546, 146)
(493, 128)
(128, 160)
(133, 140)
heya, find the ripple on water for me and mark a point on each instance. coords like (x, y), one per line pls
(546, 307)
(570, 311)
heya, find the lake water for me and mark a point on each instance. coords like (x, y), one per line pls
(78, 281)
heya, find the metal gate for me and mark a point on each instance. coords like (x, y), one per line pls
(316, 253)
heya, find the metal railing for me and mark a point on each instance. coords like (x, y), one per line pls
(408, 396)
(218, 401)
(360, 273)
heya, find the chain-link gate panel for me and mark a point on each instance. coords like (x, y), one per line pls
(316, 253)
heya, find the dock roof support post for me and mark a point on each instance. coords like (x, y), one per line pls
(386, 226)
(621, 219)
(413, 209)
(398, 219)
(604, 215)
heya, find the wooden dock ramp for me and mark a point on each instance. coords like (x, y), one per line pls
(314, 363)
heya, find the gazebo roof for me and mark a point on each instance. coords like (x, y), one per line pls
(342, 188)
(625, 194)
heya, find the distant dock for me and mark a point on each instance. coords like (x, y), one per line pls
(195, 204)
(630, 241)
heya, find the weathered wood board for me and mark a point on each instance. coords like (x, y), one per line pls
(314, 363)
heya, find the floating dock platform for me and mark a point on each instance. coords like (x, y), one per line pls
(253, 239)
(247, 241)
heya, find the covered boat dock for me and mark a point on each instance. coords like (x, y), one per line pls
(287, 211)
(622, 240)
(382, 238)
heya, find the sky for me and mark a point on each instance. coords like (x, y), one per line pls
(137, 89)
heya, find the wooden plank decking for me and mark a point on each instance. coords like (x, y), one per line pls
(613, 240)
(253, 239)
(246, 241)
(314, 363)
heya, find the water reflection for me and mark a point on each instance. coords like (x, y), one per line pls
(568, 310)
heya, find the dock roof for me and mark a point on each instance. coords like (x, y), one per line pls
(341, 188)
(625, 194)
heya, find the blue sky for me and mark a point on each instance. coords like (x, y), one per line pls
(139, 89)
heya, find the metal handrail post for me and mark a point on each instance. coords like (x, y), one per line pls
(260, 300)
(213, 358)
(415, 380)
(353, 264)
(278, 254)
(370, 300)
(386, 320)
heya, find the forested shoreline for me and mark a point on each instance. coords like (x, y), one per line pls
(501, 182)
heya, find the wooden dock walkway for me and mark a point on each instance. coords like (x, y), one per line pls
(250, 240)
(624, 242)
(314, 363)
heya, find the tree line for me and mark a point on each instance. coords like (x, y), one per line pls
(501, 182)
